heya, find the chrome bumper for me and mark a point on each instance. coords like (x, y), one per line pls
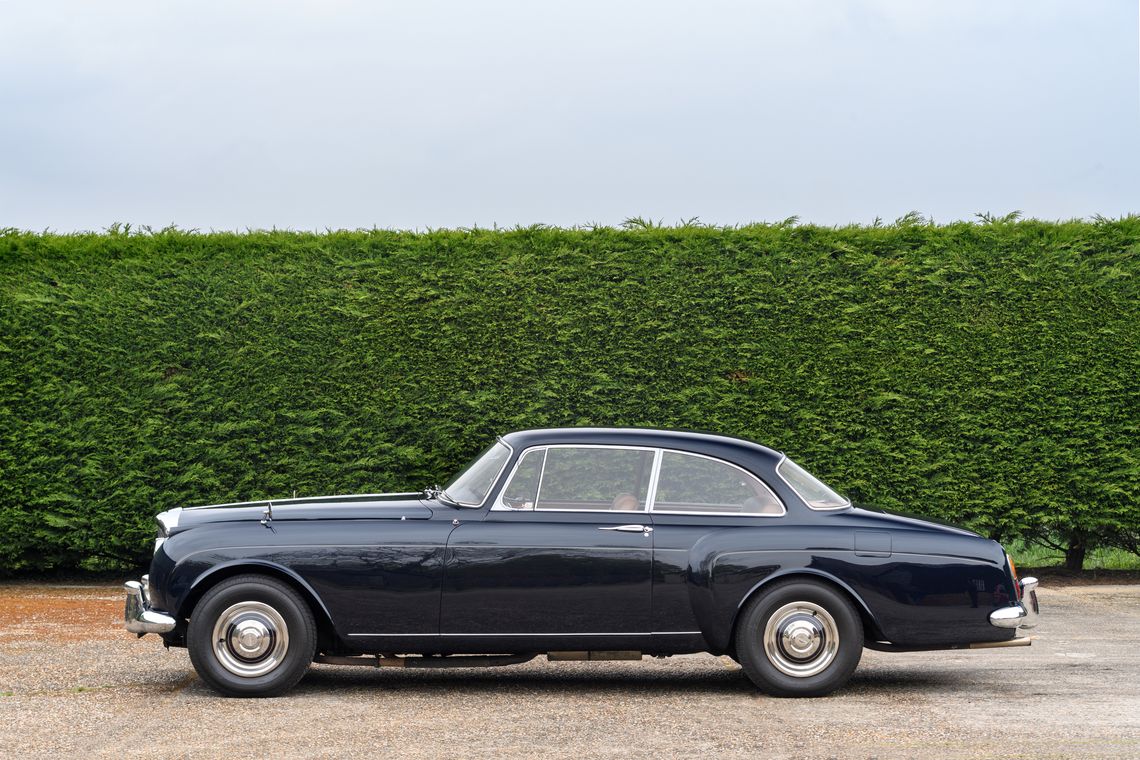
(138, 617)
(1024, 613)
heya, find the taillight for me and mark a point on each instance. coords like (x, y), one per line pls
(1016, 582)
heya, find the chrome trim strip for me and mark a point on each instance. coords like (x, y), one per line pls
(725, 514)
(654, 479)
(651, 633)
(541, 477)
(533, 547)
(306, 499)
(676, 633)
(833, 551)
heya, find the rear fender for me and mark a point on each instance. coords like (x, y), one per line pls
(718, 605)
(870, 622)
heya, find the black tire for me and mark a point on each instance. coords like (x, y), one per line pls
(799, 639)
(251, 636)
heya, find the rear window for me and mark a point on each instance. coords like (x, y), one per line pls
(815, 493)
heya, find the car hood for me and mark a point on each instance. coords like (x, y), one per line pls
(397, 506)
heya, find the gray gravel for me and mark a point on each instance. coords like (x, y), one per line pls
(87, 688)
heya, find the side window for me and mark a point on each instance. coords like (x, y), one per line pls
(522, 491)
(595, 479)
(690, 483)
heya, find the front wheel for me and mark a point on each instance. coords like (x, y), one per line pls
(251, 636)
(799, 639)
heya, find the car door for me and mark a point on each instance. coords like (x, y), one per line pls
(563, 557)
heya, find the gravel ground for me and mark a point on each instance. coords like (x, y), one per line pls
(85, 687)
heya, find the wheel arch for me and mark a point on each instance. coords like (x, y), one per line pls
(871, 628)
(326, 631)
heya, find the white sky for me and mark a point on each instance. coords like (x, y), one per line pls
(234, 115)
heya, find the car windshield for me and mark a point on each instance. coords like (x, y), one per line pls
(815, 493)
(470, 487)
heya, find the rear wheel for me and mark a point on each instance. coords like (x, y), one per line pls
(799, 639)
(251, 636)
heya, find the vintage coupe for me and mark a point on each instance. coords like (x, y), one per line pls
(578, 543)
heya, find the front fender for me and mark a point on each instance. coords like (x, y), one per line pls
(197, 580)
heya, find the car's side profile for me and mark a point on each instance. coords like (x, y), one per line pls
(577, 543)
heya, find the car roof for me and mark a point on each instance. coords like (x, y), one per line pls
(682, 440)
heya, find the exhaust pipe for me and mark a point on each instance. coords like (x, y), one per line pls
(1021, 642)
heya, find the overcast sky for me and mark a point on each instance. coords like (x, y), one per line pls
(307, 115)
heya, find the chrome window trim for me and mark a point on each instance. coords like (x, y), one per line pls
(502, 506)
(654, 478)
(757, 478)
(541, 477)
(499, 506)
(780, 475)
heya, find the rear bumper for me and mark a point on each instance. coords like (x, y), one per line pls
(1024, 613)
(139, 617)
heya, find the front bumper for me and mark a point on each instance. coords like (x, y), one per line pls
(138, 617)
(1024, 613)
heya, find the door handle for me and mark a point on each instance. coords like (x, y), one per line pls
(647, 529)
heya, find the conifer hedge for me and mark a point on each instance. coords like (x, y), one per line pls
(986, 374)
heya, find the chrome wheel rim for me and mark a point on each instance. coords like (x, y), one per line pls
(250, 639)
(801, 639)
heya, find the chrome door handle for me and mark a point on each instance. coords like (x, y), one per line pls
(630, 528)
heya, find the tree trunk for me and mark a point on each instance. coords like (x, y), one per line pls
(1075, 553)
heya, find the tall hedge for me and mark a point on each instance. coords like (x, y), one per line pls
(988, 374)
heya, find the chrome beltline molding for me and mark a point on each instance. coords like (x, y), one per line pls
(565, 635)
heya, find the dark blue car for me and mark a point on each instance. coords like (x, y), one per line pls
(578, 543)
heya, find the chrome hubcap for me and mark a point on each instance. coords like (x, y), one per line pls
(801, 639)
(250, 639)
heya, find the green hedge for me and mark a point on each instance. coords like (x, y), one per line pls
(988, 374)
